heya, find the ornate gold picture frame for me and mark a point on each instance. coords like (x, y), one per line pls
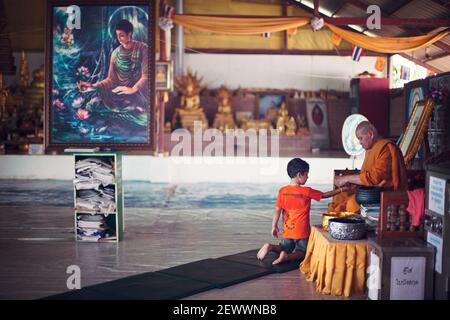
(415, 131)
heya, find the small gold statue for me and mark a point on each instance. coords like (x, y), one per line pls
(283, 119)
(281, 125)
(291, 127)
(223, 119)
(189, 110)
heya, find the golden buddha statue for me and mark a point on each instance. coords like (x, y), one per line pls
(291, 127)
(223, 119)
(281, 125)
(189, 110)
(283, 119)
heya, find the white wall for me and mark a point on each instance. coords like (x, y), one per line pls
(177, 169)
(278, 71)
(309, 73)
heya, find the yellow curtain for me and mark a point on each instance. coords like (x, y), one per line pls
(385, 44)
(247, 26)
(233, 25)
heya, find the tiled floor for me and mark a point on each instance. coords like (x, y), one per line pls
(37, 245)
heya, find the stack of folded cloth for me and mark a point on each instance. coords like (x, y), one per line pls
(91, 227)
(370, 211)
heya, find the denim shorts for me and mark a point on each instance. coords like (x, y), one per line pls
(294, 245)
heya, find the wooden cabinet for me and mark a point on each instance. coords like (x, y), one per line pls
(370, 97)
(98, 197)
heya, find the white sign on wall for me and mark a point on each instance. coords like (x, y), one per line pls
(407, 278)
(437, 243)
(436, 195)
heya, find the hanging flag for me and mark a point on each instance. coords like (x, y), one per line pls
(335, 39)
(357, 53)
(266, 35)
(380, 63)
(168, 11)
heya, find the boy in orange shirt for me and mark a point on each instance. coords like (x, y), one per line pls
(295, 203)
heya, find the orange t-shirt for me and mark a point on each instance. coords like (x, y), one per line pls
(296, 204)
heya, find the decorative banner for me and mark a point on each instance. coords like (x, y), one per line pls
(316, 110)
(357, 53)
(266, 35)
(336, 39)
(380, 64)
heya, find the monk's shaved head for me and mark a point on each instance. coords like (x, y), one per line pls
(367, 134)
(365, 127)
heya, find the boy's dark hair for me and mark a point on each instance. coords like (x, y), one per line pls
(124, 25)
(295, 166)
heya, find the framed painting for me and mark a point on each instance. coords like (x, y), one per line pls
(100, 61)
(416, 129)
(268, 106)
(164, 76)
(317, 115)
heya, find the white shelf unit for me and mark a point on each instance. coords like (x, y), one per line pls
(98, 197)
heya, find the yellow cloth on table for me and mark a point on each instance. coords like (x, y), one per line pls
(339, 267)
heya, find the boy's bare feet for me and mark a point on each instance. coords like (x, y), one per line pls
(263, 251)
(283, 257)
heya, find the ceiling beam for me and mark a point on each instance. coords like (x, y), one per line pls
(436, 56)
(420, 63)
(316, 8)
(444, 3)
(442, 45)
(389, 21)
(400, 4)
(344, 3)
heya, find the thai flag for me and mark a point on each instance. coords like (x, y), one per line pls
(357, 53)
(266, 35)
(168, 11)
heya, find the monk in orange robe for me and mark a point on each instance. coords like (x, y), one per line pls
(383, 165)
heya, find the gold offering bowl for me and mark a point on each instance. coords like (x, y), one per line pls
(330, 215)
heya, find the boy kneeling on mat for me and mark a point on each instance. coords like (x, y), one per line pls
(294, 201)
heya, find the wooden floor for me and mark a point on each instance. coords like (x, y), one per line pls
(37, 245)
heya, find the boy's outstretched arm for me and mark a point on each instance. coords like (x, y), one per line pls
(276, 217)
(335, 191)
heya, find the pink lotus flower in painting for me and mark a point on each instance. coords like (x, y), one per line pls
(83, 72)
(58, 104)
(82, 114)
(78, 102)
